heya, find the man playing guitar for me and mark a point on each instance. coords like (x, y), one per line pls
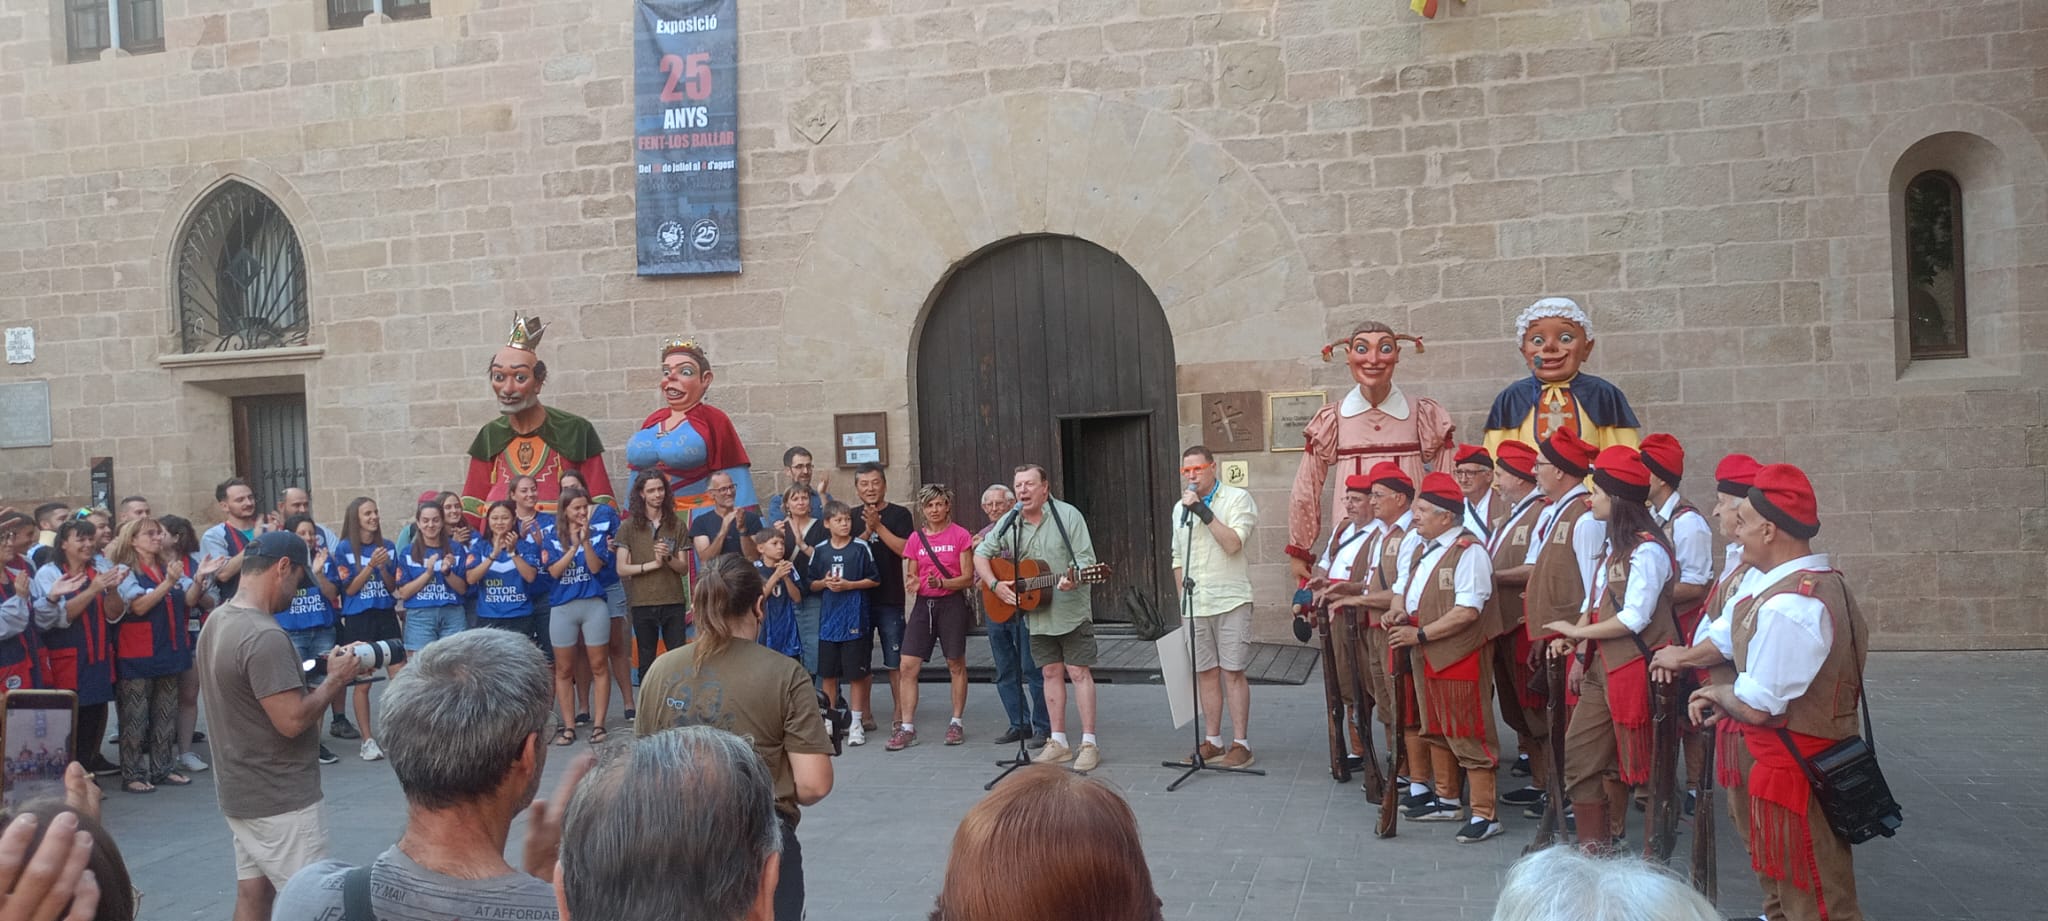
(1063, 630)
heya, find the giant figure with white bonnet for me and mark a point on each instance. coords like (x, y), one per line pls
(1556, 338)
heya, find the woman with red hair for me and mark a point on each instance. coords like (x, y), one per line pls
(1048, 843)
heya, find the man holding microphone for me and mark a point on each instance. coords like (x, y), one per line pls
(1211, 524)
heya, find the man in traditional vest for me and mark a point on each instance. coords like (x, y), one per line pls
(1557, 570)
(1628, 616)
(1692, 542)
(1437, 611)
(1345, 559)
(1798, 644)
(1473, 469)
(1702, 660)
(1507, 547)
(1371, 591)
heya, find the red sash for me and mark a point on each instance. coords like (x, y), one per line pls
(1779, 795)
(1454, 702)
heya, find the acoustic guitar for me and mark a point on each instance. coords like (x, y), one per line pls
(1030, 579)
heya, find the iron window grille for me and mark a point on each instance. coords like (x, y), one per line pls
(241, 275)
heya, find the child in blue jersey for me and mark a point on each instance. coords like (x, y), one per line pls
(310, 619)
(842, 570)
(502, 570)
(364, 568)
(573, 554)
(783, 589)
(461, 535)
(430, 580)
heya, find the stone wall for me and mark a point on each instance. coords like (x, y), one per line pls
(1714, 179)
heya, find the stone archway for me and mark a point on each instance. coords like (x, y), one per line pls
(1206, 237)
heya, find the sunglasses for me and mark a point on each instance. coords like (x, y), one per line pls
(1195, 468)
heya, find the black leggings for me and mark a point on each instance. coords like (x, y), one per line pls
(789, 887)
(663, 622)
(86, 746)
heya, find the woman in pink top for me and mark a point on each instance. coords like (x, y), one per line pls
(937, 569)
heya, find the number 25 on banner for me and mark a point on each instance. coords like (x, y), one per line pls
(695, 73)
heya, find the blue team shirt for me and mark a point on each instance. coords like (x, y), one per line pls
(605, 520)
(778, 628)
(343, 565)
(575, 582)
(842, 616)
(502, 591)
(436, 593)
(310, 610)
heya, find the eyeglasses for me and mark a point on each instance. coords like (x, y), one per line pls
(1195, 468)
(725, 489)
(1463, 474)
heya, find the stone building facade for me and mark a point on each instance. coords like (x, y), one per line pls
(1719, 181)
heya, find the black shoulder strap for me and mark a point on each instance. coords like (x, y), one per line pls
(934, 557)
(355, 895)
(1862, 702)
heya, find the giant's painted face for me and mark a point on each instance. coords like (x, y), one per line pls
(683, 381)
(1372, 357)
(1554, 348)
(515, 380)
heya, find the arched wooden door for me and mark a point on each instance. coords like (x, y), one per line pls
(1053, 350)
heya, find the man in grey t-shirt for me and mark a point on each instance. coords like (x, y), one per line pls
(266, 725)
(463, 726)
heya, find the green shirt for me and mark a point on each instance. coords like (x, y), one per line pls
(1069, 609)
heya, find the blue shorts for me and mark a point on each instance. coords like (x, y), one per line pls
(888, 623)
(312, 642)
(426, 625)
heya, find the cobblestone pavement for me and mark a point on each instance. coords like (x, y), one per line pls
(1961, 736)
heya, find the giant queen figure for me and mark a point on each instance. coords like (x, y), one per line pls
(689, 440)
(1374, 422)
(527, 438)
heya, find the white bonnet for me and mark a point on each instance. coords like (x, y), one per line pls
(1562, 307)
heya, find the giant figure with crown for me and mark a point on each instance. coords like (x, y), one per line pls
(528, 438)
(688, 440)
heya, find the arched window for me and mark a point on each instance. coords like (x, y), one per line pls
(1935, 305)
(241, 275)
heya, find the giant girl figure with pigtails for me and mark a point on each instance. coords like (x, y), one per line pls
(689, 440)
(1374, 422)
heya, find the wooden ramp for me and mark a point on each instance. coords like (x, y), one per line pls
(1129, 660)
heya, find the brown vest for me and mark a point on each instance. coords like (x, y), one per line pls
(1828, 708)
(1723, 673)
(1661, 631)
(1554, 591)
(1497, 511)
(1389, 561)
(1439, 596)
(1504, 609)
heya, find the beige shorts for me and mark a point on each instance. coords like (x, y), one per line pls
(1226, 637)
(278, 846)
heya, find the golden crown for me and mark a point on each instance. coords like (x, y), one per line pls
(526, 333)
(674, 344)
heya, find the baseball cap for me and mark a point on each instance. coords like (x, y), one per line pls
(281, 545)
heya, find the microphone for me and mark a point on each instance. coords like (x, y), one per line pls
(1005, 523)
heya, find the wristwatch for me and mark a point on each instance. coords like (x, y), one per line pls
(1421, 636)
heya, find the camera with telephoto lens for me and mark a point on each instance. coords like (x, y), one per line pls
(837, 721)
(370, 656)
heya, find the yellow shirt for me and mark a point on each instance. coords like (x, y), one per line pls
(1222, 580)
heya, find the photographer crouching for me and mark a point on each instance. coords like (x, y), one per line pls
(464, 725)
(265, 723)
(728, 680)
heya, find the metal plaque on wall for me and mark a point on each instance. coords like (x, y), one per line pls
(25, 414)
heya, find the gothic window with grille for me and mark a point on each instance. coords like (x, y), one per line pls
(347, 14)
(241, 275)
(1936, 319)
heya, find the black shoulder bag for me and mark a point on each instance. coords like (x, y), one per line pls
(355, 895)
(1845, 778)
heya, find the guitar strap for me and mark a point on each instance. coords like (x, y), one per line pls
(1073, 562)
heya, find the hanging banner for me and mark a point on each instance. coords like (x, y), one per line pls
(685, 134)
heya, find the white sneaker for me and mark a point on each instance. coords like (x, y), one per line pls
(191, 762)
(371, 752)
(856, 735)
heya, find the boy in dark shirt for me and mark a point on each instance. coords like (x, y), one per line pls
(785, 589)
(842, 570)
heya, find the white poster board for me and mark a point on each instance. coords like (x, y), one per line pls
(1177, 674)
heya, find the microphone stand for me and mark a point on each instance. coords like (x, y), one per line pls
(1023, 756)
(1195, 764)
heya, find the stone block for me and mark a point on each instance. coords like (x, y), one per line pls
(1496, 201)
(1586, 193)
(1590, 272)
(1743, 305)
(1497, 277)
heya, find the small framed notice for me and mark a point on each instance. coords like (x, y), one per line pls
(25, 414)
(1287, 414)
(861, 438)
